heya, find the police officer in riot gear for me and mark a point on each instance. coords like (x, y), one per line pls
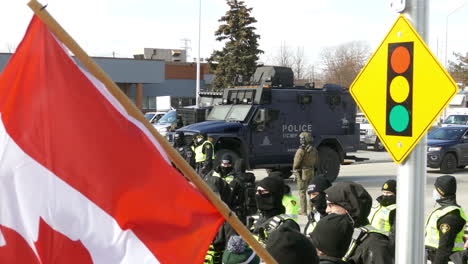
(204, 154)
(224, 170)
(290, 202)
(184, 150)
(304, 165)
(218, 245)
(243, 191)
(316, 192)
(383, 215)
(271, 215)
(444, 228)
(368, 245)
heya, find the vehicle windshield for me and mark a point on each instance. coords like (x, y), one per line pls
(168, 118)
(456, 120)
(219, 112)
(229, 112)
(447, 133)
(149, 116)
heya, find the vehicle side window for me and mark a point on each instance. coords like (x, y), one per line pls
(333, 100)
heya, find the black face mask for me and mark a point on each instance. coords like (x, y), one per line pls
(225, 170)
(265, 202)
(320, 203)
(386, 200)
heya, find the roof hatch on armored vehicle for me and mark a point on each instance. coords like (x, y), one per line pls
(330, 87)
(273, 76)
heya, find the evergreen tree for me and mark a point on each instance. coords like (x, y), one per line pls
(459, 68)
(240, 53)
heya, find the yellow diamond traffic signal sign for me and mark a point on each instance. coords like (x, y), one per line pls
(402, 89)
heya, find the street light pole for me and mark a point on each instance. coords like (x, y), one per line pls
(446, 30)
(197, 95)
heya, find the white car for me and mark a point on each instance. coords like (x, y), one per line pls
(455, 120)
(154, 117)
(164, 124)
(369, 137)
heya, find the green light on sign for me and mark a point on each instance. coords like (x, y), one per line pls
(399, 118)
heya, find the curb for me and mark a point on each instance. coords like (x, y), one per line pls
(352, 162)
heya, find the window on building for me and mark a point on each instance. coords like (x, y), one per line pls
(149, 102)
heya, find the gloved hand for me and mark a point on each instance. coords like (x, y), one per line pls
(295, 175)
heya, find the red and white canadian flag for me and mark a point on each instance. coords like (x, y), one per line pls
(81, 181)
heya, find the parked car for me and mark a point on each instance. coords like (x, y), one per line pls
(447, 148)
(154, 117)
(169, 122)
(455, 120)
(368, 137)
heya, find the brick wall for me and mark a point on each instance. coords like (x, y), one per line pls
(184, 71)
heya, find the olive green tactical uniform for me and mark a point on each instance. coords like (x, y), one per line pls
(304, 164)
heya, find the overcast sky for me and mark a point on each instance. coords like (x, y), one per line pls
(104, 27)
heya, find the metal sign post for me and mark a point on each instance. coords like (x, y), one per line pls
(411, 179)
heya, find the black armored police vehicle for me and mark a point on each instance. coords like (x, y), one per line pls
(261, 123)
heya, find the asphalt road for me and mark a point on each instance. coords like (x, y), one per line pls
(379, 168)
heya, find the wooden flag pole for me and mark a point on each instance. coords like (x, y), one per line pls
(132, 110)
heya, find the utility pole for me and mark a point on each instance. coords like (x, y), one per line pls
(197, 95)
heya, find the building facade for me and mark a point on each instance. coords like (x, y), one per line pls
(142, 80)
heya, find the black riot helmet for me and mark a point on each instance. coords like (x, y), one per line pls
(225, 165)
(226, 160)
(179, 139)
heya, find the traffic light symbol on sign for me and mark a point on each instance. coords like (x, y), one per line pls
(400, 89)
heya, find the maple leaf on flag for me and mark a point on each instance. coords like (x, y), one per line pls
(54, 247)
(15, 248)
(72, 156)
(51, 246)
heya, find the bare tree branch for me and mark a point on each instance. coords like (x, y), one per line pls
(299, 64)
(343, 63)
(284, 56)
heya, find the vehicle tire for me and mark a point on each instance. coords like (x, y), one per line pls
(329, 163)
(461, 167)
(378, 146)
(448, 164)
(219, 155)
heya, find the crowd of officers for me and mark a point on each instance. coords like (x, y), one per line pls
(342, 226)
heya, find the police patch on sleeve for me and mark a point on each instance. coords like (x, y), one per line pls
(444, 228)
(208, 146)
